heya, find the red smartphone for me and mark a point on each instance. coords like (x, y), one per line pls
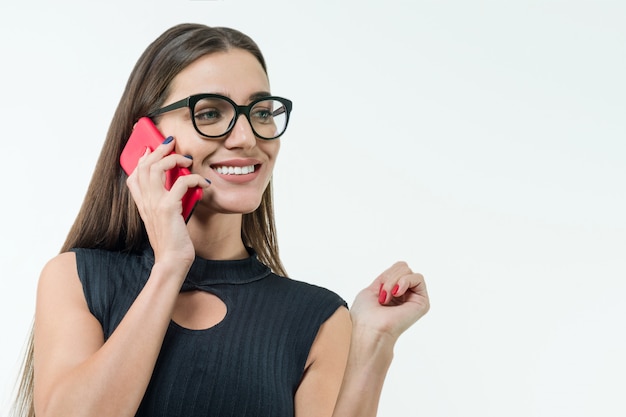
(146, 135)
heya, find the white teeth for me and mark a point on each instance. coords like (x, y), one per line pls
(225, 170)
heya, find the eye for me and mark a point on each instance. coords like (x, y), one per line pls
(261, 114)
(212, 110)
(207, 115)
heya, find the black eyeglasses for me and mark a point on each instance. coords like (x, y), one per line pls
(214, 115)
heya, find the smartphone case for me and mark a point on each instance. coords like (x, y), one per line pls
(146, 135)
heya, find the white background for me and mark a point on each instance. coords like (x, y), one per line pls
(482, 142)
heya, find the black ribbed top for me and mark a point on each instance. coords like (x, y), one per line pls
(249, 364)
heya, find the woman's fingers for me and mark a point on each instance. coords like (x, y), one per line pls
(152, 174)
(147, 161)
(396, 281)
(151, 156)
(400, 286)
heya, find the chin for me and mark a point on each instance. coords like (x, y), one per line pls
(234, 206)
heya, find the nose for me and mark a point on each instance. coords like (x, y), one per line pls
(242, 135)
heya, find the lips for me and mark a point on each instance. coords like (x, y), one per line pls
(233, 170)
(237, 170)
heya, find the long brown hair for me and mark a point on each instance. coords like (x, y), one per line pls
(108, 218)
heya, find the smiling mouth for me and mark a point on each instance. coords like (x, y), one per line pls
(230, 170)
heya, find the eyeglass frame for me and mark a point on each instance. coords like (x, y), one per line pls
(191, 101)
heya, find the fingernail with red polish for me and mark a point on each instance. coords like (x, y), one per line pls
(382, 296)
(395, 289)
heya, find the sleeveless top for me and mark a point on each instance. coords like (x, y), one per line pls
(249, 364)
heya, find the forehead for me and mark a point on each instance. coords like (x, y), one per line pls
(235, 73)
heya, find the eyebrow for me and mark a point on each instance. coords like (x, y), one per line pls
(251, 97)
(258, 95)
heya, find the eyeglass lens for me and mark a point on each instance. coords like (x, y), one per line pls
(214, 116)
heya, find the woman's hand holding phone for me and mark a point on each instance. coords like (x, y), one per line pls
(159, 192)
(146, 135)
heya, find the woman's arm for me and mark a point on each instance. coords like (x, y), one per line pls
(76, 373)
(317, 393)
(352, 353)
(367, 366)
(380, 314)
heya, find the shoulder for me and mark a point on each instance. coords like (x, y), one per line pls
(102, 273)
(59, 279)
(102, 256)
(110, 266)
(304, 305)
(108, 282)
(58, 269)
(333, 334)
(304, 292)
(67, 270)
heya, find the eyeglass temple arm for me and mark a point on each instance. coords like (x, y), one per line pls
(177, 105)
(279, 111)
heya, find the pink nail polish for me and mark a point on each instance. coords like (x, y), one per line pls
(395, 289)
(382, 296)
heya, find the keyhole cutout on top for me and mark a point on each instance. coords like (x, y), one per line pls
(198, 310)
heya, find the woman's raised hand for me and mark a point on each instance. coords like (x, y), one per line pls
(380, 314)
(392, 303)
(161, 209)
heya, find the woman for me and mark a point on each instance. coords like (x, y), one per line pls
(146, 314)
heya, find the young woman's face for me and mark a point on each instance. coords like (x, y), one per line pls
(226, 161)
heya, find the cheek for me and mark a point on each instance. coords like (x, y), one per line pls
(188, 142)
(271, 149)
(170, 126)
(182, 130)
(272, 153)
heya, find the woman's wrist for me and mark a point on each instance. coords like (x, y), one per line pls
(371, 348)
(369, 360)
(173, 271)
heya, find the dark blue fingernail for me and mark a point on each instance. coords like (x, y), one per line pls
(168, 140)
(208, 180)
(188, 156)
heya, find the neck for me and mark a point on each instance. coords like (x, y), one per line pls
(217, 236)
